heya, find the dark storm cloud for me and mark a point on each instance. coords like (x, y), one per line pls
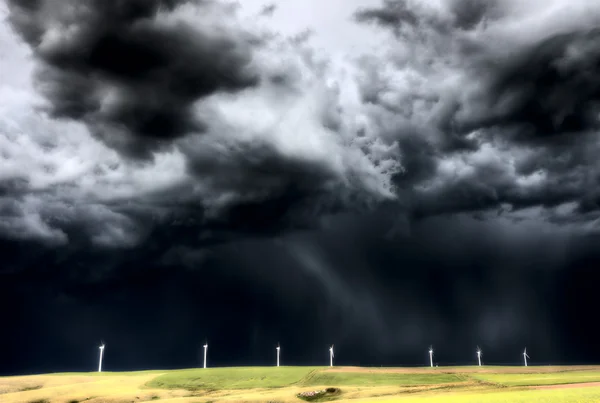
(460, 14)
(458, 137)
(392, 13)
(127, 70)
(549, 91)
(474, 283)
(516, 124)
(468, 13)
(394, 296)
(244, 155)
(274, 157)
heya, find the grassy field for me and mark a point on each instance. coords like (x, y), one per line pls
(283, 384)
(326, 378)
(574, 395)
(556, 378)
(231, 378)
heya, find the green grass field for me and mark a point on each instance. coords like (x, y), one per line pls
(231, 378)
(283, 384)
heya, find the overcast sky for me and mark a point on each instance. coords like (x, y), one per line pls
(393, 173)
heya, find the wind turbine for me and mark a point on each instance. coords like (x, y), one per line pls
(479, 355)
(431, 356)
(525, 356)
(331, 356)
(205, 350)
(278, 348)
(101, 354)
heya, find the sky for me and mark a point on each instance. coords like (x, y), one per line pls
(381, 175)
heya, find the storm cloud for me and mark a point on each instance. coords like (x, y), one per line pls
(133, 69)
(499, 101)
(438, 186)
(196, 114)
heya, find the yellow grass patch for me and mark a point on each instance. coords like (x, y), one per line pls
(95, 389)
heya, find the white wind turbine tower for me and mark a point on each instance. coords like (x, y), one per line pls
(278, 348)
(479, 355)
(101, 354)
(431, 356)
(205, 350)
(525, 356)
(331, 356)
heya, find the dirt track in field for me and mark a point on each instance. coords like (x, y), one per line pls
(568, 385)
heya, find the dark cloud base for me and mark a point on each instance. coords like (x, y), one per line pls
(154, 308)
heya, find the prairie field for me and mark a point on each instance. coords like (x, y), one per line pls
(284, 384)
